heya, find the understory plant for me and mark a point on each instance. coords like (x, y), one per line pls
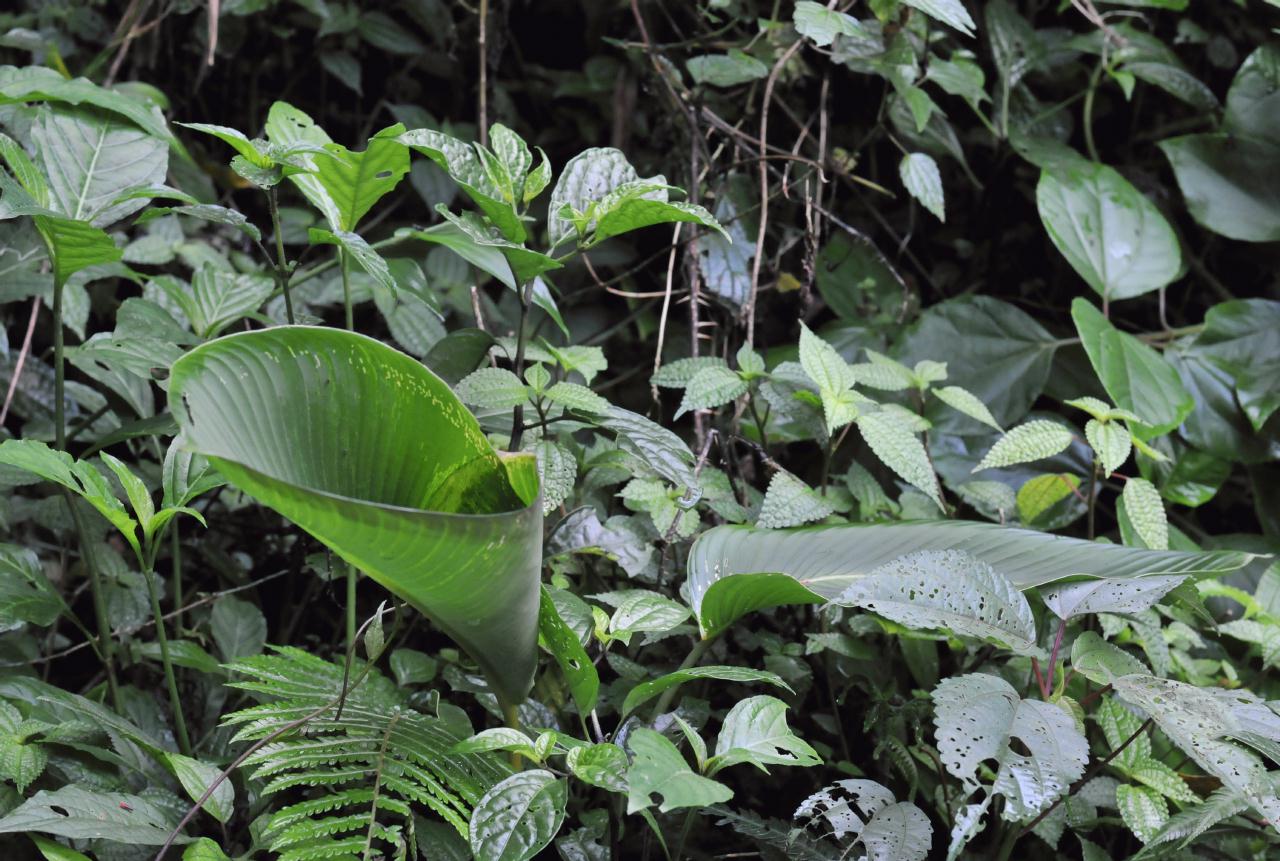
(748, 429)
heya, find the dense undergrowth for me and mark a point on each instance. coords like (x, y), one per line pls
(639, 430)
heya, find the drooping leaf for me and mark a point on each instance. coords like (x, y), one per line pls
(821, 24)
(1101, 662)
(1109, 595)
(467, 169)
(755, 731)
(949, 12)
(920, 175)
(734, 570)
(355, 248)
(950, 591)
(564, 645)
(420, 512)
(1114, 238)
(83, 814)
(967, 402)
(898, 448)
(645, 691)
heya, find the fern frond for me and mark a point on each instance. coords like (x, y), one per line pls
(355, 776)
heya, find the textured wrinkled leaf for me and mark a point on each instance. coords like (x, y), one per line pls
(821, 24)
(1034, 440)
(968, 403)
(1110, 442)
(788, 501)
(978, 716)
(557, 471)
(726, 70)
(518, 817)
(678, 374)
(602, 765)
(642, 610)
(1145, 510)
(951, 591)
(919, 173)
(1144, 810)
(899, 832)
(577, 397)
(711, 387)
(1042, 492)
(492, 388)
(898, 448)
(1110, 233)
(467, 169)
(370, 452)
(587, 177)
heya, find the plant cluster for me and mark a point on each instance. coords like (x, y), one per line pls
(848, 431)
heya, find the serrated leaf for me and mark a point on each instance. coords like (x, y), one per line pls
(949, 12)
(586, 178)
(557, 471)
(711, 387)
(1143, 810)
(1111, 443)
(968, 403)
(1042, 492)
(576, 397)
(677, 374)
(492, 388)
(951, 591)
(1034, 440)
(898, 448)
(1145, 510)
(821, 24)
(920, 175)
(467, 169)
(790, 502)
(978, 715)
(1164, 780)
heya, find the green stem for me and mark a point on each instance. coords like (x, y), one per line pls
(1088, 113)
(175, 702)
(175, 553)
(1093, 497)
(282, 266)
(690, 660)
(59, 374)
(352, 574)
(511, 714)
(345, 263)
(684, 834)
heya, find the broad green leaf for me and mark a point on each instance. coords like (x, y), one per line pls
(84, 814)
(919, 173)
(1144, 810)
(217, 298)
(371, 453)
(755, 731)
(238, 627)
(726, 70)
(1110, 233)
(658, 767)
(288, 126)
(526, 264)
(467, 169)
(355, 181)
(821, 24)
(1101, 662)
(41, 84)
(196, 777)
(355, 248)
(642, 693)
(518, 817)
(968, 403)
(1227, 183)
(1136, 377)
(566, 648)
(206, 212)
(54, 851)
(26, 595)
(237, 140)
(203, 849)
(660, 449)
(1109, 594)
(949, 12)
(1111, 443)
(977, 718)
(1145, 510)
(1005, 362)
(633, 213)
(1042, 492)
(493, 388)
(1034, 440)
(713, 386)
(602, 765)
(790, 502)
(951, 591)
(74, 245)
(587, 178)
(734, 570)
(1242, 337)
(499, 738)
(641, 610)
(898, 448)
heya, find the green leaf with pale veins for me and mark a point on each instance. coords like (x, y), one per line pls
(713, 386)
(790, 502)
(355, 248)
(967, 402)
(1034, 440)
(356, 181)
(1145, 510)
(1042, 492)
(642, 693)
(920, 176)
(1111, 443)
(899, 449)
(516, 819)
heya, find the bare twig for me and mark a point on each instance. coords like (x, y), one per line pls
(22, 359)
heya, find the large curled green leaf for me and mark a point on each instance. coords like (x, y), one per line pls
(371, 453)
(734, 570)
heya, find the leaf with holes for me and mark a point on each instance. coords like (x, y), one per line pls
(1108, 595)
(950, 591)
(657, 767)
(564, 645)
(755, 731)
